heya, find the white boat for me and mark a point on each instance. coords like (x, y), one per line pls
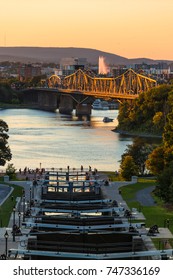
(100, 105)
(107, 119)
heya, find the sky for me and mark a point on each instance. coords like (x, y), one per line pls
(129, 28)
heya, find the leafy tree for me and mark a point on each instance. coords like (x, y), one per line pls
(158, 120)
(11, 170)
(5, 93)
(155, 161)
(148, 112)
(151, 113)
(5, 152)
(139, 151)
(36, 80)
(128, 168)
(168, 131)
(168, 155)
(164, 189)
(160, 162)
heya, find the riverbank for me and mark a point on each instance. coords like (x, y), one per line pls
(136, 133)
(4, 106)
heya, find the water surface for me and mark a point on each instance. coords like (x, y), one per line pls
(55, 140)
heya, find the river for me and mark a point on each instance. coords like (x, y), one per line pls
(53, 140)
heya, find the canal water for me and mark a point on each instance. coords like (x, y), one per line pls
(49, 139)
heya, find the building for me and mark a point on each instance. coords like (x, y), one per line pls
(28, 71)
(69, 65)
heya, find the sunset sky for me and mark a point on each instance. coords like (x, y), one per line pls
(130, 28)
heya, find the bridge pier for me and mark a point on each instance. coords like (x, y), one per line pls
(47, 101)
(66, 105)
(40, 99)
(83, 110)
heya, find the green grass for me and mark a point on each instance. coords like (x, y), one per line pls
(111, 175)
(154, 214)
(7, 207)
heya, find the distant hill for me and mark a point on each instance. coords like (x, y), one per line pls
(43, 54)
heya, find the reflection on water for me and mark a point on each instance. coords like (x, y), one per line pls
(56, 140)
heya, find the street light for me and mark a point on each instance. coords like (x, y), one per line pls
(14, 211)
(6, 243)
(23, 208)
(19, 214)
(30, 192)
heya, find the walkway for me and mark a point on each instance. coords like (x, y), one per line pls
(111, 192)
(5, 191)
(144, 197)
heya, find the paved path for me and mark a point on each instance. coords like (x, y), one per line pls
(111, 191)
(5, 191)
(144, 197)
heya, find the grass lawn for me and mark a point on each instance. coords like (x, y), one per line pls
(111, 175)
(154, 214)
(7, 207)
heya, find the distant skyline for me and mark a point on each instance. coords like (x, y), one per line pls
(129, 28)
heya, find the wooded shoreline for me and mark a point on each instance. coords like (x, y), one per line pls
(136, 133)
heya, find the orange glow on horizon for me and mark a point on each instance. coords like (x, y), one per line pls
(129, 28)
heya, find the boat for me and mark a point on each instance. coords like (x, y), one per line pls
(100, 105)
(107, 119)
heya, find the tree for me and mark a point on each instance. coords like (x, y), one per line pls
(128, 168)
(148, 112)
(5, 152)
(139, 151)
(164, 189)
(11, 170)
(155, 161)
(158, 120)
(168, 131)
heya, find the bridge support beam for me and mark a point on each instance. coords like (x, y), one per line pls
(40, 99)
(83, 110)
(66, 105)
(47, 101)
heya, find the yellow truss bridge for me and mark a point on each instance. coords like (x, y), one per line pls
(126, 86)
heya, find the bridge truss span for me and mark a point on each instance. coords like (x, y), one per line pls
(128, 85)
(54, 81)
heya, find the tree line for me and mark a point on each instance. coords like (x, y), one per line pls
(151, 113)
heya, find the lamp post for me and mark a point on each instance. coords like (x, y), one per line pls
(30, 197)
(19, 214)
(0, 218)
(14, 212)
(23, 208)
(6, 243)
